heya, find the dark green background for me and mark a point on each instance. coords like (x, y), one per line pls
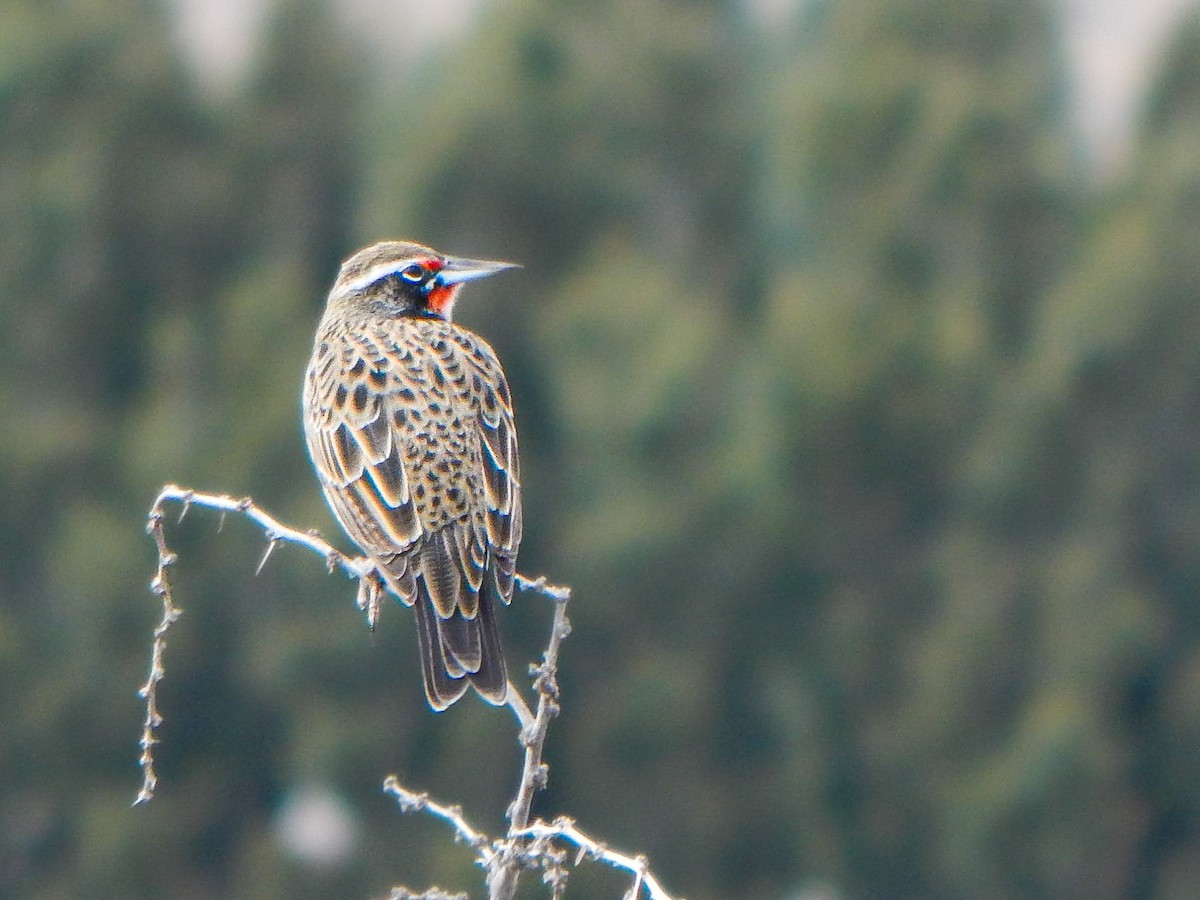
(863, 423)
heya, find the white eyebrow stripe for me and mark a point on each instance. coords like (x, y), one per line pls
(374, 274)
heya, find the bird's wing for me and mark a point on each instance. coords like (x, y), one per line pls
(357, 434)
(500, 467)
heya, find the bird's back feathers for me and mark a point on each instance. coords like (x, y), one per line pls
(409, 424)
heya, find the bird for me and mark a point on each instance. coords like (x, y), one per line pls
(409, 424)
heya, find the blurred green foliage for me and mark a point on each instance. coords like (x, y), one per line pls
(862, 423)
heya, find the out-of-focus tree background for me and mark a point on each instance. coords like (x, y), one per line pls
(859, 390)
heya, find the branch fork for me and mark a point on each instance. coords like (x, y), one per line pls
(527, 846)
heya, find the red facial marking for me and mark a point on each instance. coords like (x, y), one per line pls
(441, 298)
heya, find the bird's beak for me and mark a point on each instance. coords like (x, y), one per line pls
(457, 270)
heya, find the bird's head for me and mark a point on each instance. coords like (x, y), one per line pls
(408, 279)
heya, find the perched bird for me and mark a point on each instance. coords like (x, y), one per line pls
(410, 427)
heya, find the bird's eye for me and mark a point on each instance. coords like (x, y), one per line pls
(415, 273)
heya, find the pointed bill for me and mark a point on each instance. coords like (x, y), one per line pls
(457, 270)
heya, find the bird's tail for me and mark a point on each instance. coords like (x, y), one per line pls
(459, 652)
(456, 630)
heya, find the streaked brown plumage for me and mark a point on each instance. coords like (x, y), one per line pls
(409, 424)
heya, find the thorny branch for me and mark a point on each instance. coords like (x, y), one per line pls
(527, 846)
(564, 829)
(503, 874)
(535, 846)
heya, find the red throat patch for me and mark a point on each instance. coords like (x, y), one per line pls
(441, 298)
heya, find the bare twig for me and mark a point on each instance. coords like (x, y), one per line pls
(527, 846)
(433, 893)
(562, 594)
(539, 584)
(504, 874)
(535, 846)
(565, 829)
(370, 595)
(411, 801)
(160, 585)
(545, 682)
